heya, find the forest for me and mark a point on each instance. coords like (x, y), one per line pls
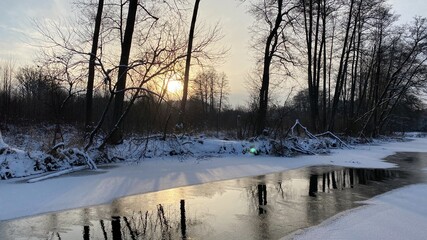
(124, 67)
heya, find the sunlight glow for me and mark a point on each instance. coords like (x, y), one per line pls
(175, 86)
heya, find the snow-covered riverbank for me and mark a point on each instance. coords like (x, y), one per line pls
(20, 199)
(399, 214)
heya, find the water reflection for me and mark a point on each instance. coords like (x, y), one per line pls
(263, 207)
(86, 234)
(313, 185)
(183, 221)
(262, 198)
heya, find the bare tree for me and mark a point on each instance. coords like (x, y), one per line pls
(276, 14)
(315, 14)
(223, 91)
(405, 72)
(116, 136)
(7, 71)
(188, 63)
(92, 61)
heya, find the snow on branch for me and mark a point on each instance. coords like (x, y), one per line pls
(311, 144)
(333, 136)
(74, 155)
(298, 124)
(57, 174)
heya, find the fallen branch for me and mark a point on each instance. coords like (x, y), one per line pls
(88, 159)
(301, 150)
(57, 174)
(58, 145)
(334, 136)
(308, 133)
(72, 155)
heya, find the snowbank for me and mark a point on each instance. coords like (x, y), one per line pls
(20, 199)
(400, 214)
(26, 154)
(19, 163)
(15, 162)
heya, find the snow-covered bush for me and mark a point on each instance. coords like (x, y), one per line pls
(18, 163)
(14, 162)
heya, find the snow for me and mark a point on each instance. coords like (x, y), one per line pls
(14, 162)
(400, 214)
(19, 199)
(57, 174)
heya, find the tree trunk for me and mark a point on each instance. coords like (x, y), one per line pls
(91, 74)
(308, 26)
(324, 66)
(316, 73)
(330, 72)
(187, 64)
(117, 133)
(341, 73)
(263, 96)
(116, 228)
(270, 48)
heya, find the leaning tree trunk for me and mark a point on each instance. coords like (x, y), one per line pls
(187, 63)
(91, 73)
(117, 133)
(270, 48)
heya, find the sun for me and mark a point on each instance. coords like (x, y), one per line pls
(175, 86)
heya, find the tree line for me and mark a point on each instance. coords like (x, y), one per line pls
(360, 65)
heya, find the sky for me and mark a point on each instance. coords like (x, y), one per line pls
(16, 30)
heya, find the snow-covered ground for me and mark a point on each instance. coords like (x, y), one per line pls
(401, 214)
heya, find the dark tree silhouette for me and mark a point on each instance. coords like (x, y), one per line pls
(188, 63)
(117, 133)
(91, 70)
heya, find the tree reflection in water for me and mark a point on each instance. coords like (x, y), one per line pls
(262, 198)
(183, 220)
(157, 224)
(116, 228)
(86, 234)
(313, 186)
(347, 179)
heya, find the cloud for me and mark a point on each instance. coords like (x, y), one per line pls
(17, 29)
(409, 9)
